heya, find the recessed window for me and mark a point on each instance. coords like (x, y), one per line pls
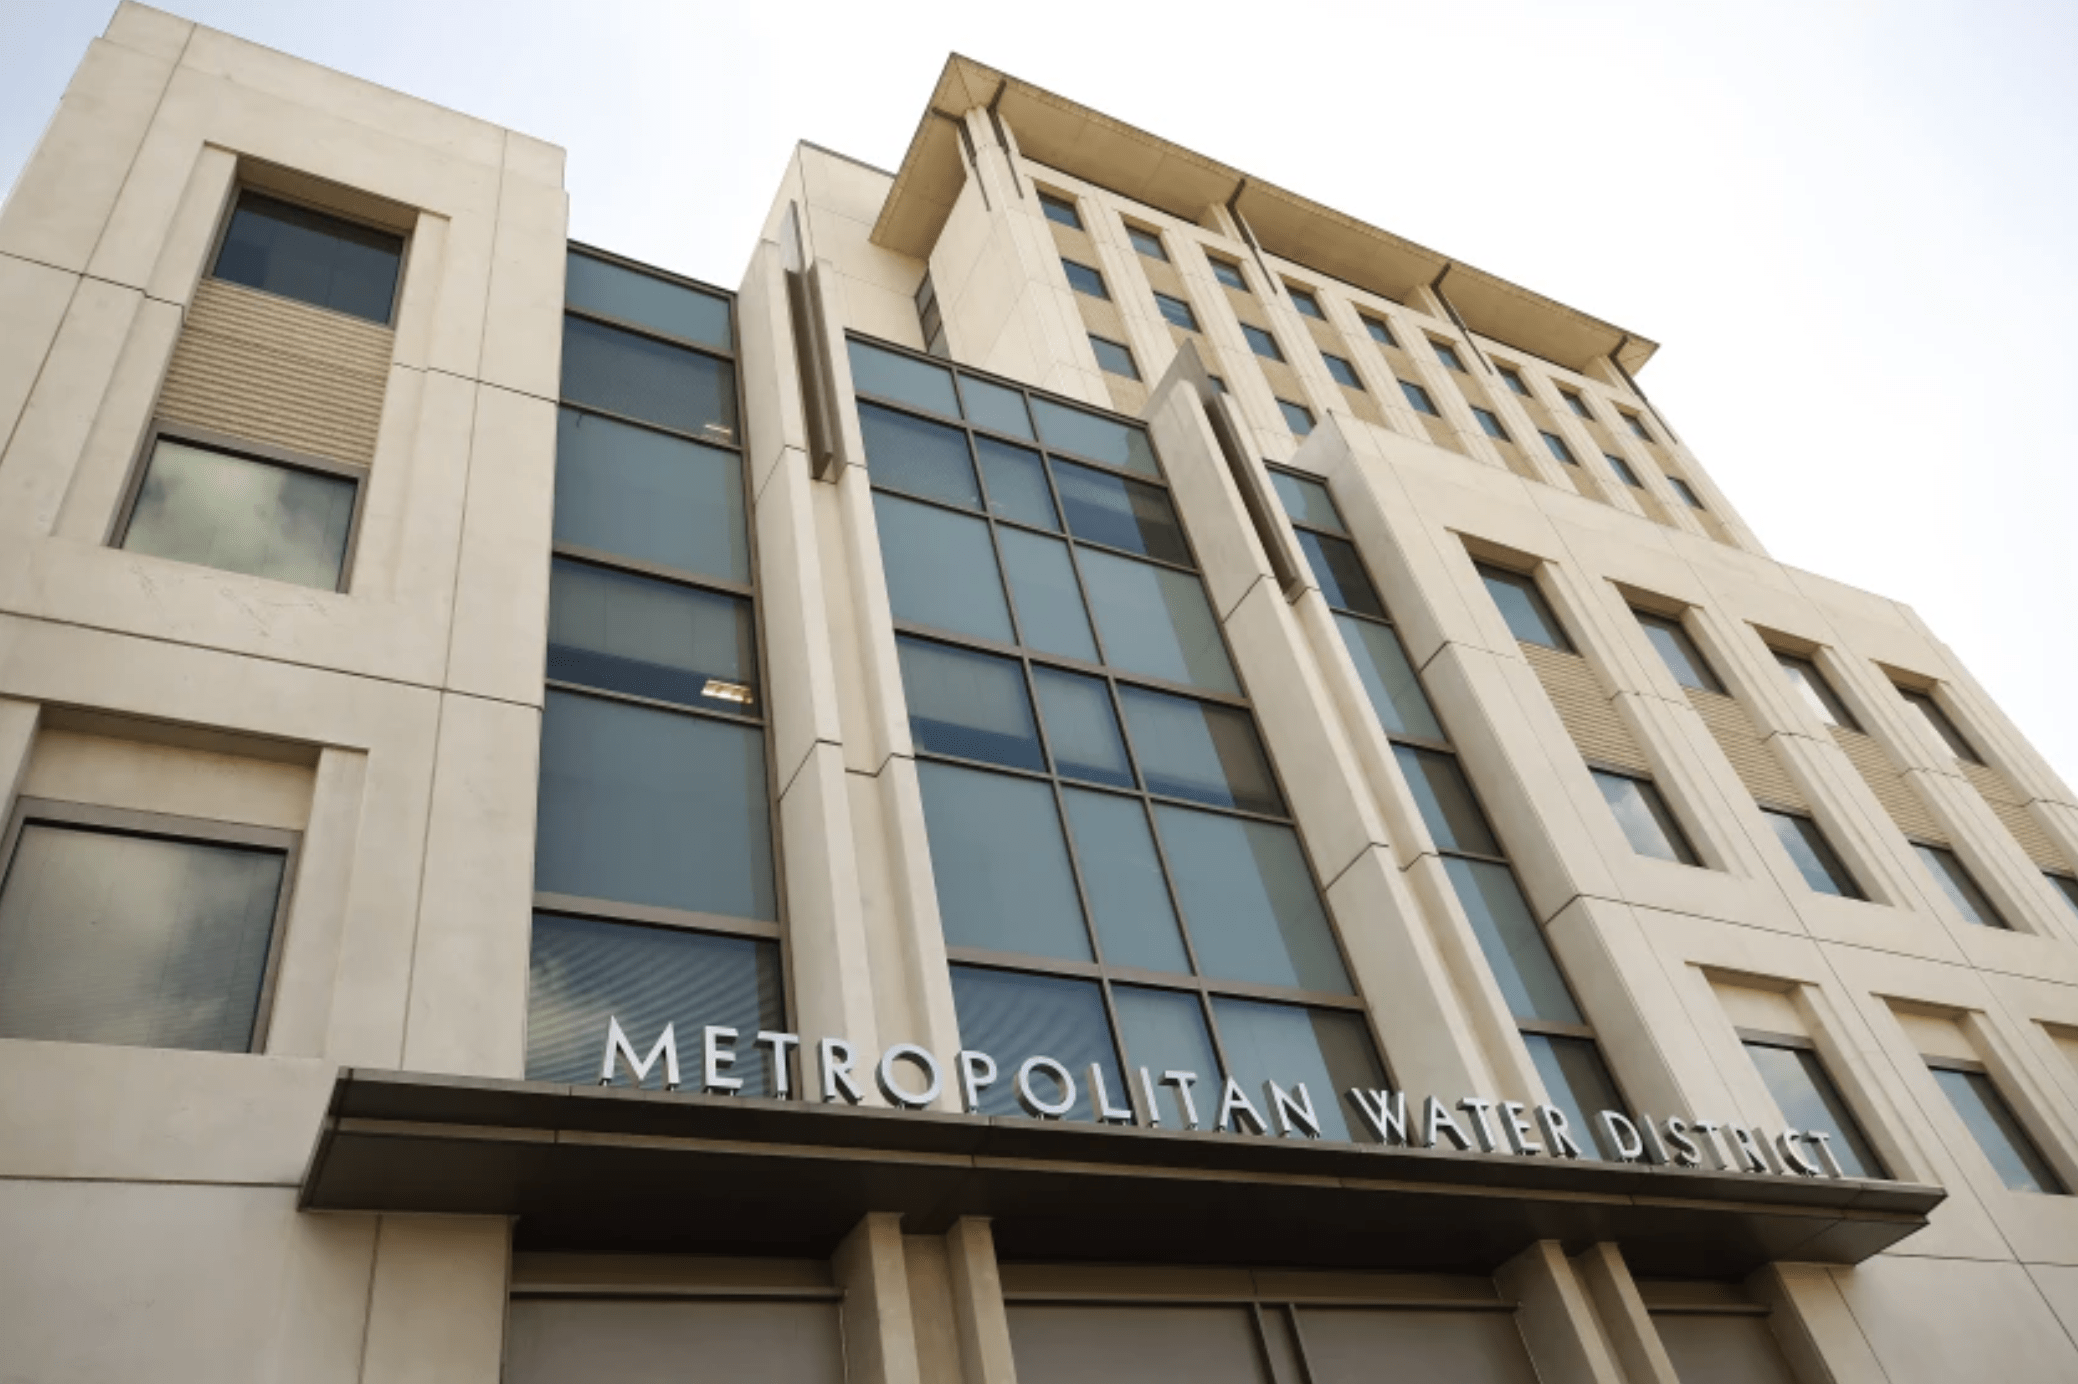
(139, 931)
(1218, 382)
(1490, 424)
(1084, 279)
(1147, 243)
(1647, 822)
(1305, 302)
(1818, 694)
(1623, 470)
(1997, 1130)
(1575, 403)
(1261, 342)
(1522, 605)
(662, 641)
(326, 261)
(604, 288)
(1344, 373)
(1805, 1094)
(1683, 659)
(1228, 273)
(1176, 312)
(1447, 353)
(1636, 425)
(1512, 377)
(1380, 333)
(1812, 854)
(1060, 210)
(1939, 721)
(1297, 417)
(1686, 492)
(1114, 357)
(236, 513)
(1959, 886)
(1419, 399)
(2066, 888)
(637, 376)
(1557, 447)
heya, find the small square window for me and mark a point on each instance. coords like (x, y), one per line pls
(1084, 279)
(1305, 302)
(1176, 312)
(1575, 403)
(1447, 353)
(1061, 210)
(1114, 357)
(1513, 379)
(1637, 427)
(1147, 243)
(1419, 399)
(1380, 333)
(1228, 273)
(1623, 470)
(240, 514)
(1558, 448)
(1261, 342)
(326, 261)
(1647, 822)
(1344, 373)
(1490, 424)
(1297, 417)
(1686, 492)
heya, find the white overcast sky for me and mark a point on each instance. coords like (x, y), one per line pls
(1852, 226)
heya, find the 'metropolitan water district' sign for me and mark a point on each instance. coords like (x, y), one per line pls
(910, 1078)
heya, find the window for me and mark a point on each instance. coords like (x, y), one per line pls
(1637, 427)
(1447, 353)
(1343, 372)
(1686, 492)
(2066, 888)
(1818, 694)
(1812, 854)
(1118, 877)
(1551, 1022)
(1522, 605)
(1148, 243)
(930, 319)
(1228, 273)
(241, 513)
(1489, 424)
(1261, 342)
(654, 877)
(1176, 312)
(1218, 382)
(1808, 1100)
(1380, 333)
(1297, 417)
(1575, 403)
(1683, 659)
(1419, 399)
(1305, 302)
(1556, 445)
(1959, 886)
(1060, 210)
(1114, 357)
(1998, 1131)
(1648, 824)
(1623, 470)
(1084, 279)
(1941, 724)
(136, 929)
(312, 257)
(1512, 377)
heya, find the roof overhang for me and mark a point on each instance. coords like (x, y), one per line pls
(1090, 145)
(612, 1168)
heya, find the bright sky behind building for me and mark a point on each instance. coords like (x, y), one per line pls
(1851, 225)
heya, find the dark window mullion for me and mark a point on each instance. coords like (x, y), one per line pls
(656, 571)
(637, 329)
(585, 689)
(1060, 809)
(649, 425)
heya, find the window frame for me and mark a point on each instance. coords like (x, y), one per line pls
(1355, 381)
(1219, 262)
(1690, 650)
(265, 453)
(1298, 293)
(1577, 403)
(245, 185)
(1132, 364)
(1135, 233)
(1998, 922)
(1447, 354)
(1049, 199)
(163, 826)
(1827, 694)
(1374, 325)
(1511, 377)
(1944, 726)
(1103, 293)
(1276, 351)
(1797, 1042)
(2029, 1127)
(1681, 840)
(1770, 807)
(1545, 610)
(1490, 423)
(1161, 300)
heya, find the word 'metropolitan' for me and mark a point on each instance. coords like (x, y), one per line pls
(1488, 1125)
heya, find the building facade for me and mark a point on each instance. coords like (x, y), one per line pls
(1099, 771)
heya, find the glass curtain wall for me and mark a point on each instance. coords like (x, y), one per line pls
(1119, 880)
(655, 888)
(1560, 1042)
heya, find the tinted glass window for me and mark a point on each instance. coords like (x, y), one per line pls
(1808, 1100)
(969, 705)
(1114, 443)
(1812, 854)
(1623, 470)
(1297, 417)
(1084, 279)
(993, 406)
(1575, 403)
(1395, 692)
(1200, 751)
(1249, 901)
(600, 286)
(1579, 1084)
(648, 638)
(236, 514)
(1306, 303)
(135, 940)
(1119, 513)
(1050, 613)
(1001, 864)
(1326, 1050)
(1558, 448)
(1522, 605)
(1082, 728)
(1638, 429)
(1818, 694)
(1951, 734)
(1061, 210)
(1447, 806)
(1419, 399)
(1648, 824)
(902, 378)
(1683, 659)
(1447, 353)
(1228, 274)
(1113, 357)
(585, 972)
(648, 380)
(1340, 573)
(1687, 494)
(1156, 621)
(1016, 484)
(653, 807)
(2066, 888)
(1380, 332)
(1343, 372)
(1513, 381)
(1011, 1016)
(1164, 1031)
(326, 261)
(1489, 424)
(1959, 886)
(1512, 942)
(650, 496)
(928, 459)
(1307, 501)
(1147, 243)
(941, 569)
(1261, 342)
(1176, 312)
(1998, 1131)
(1122, 879)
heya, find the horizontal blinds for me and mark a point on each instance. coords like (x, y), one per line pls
(1589, 716)
(1750, 755)
(1905, 807)
(2009, 805)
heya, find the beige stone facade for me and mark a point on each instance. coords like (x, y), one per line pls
(164, 1211)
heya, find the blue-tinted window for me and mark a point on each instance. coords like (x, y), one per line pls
(1447, 353)
(1120, 513)
(1084, 279)
(241, 514)
(1176, 312)
(1013, 1015)
(1147, 243)
(1001, 863)
(904, 379)
(1489, 423)
(1959, 886)
(1637, 427)
(1261, 342)
(1419, 399)
(941, 569)
(1445, 801)
(1998, 1132)
(1575, 403)
(1812, 854)
(1579, 1084)
(326, 261)
(1164, 1031)
(1249, 901)
(1297, 417)
(600, 286)
(650, 381)
(1307, 501)
(1805, 1094)
(662, 641)
(1050, 614)
(1686, 492)
(1513, 379)
(1066, 429)
(993, 406)
(1623, 470)
(1558, 448)
(1306, 303)
(1340, 573)
(1082, 728)
(922, 458)
(1201, 751)
(1380, 333)
(1114, 357)
(1343, 372)
(1683, 659)
(1016, 481)
(1522, 605)
(1156, 621)
(650, 496)
(1122, 879)
(1228, 273)
(1512, 942)
(1060, 209)
(969, 705)
(1326, 1050)
(1396, 694)
(1647, 822)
